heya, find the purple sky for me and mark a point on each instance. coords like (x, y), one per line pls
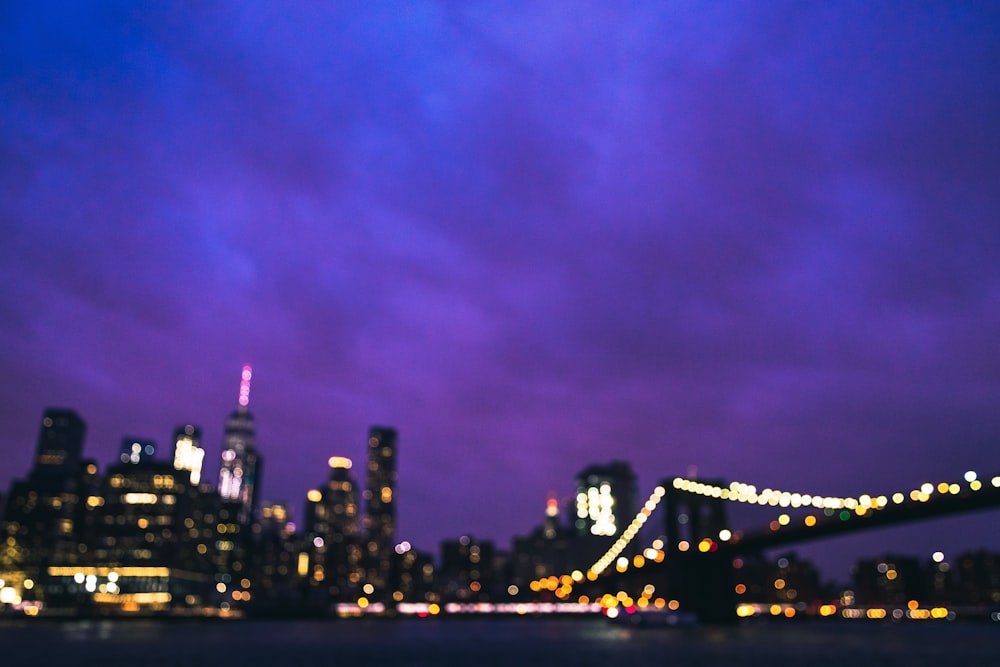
(762, 239)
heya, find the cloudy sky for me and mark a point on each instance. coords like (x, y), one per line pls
(762, 239)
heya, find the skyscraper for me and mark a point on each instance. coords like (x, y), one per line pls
(239, 474)
(188, 454)
(380, 506)
(605, 499)
(60, 442)
(331, 528)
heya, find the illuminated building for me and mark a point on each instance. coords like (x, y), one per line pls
(188, 454)
(147, 549)
(134, 450)
(380, 508)
(240, 469)
(605, 499)
(331, 531)
(42, 513)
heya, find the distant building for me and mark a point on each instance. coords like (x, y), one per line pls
(188, 454)
(145, 545)
(332, 532)
(43, 513)
(136, 450)
(466, 573)
(891, 579)
(239, 472)
(380, 509)
(605, 499)
(60, 443)
(979, 577)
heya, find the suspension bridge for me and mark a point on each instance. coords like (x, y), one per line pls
(698, 553)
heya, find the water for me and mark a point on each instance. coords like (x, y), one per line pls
(521, 642)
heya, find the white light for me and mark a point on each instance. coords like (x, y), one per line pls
(971, 476)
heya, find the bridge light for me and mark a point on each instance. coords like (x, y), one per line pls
(954, 489)
(927, 488)
(971, 476)
(996, 481)
(784, 519)
(975, 485)
(943, 487)
(898, 498)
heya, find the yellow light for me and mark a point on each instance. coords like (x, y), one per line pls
(434, 609)
(784, 519)
(943, 487)
(303, 564)
(775, 610)
(810, 521)
(314, 496)
(779, 584)
(341, 462)
(638, 561)
(363, 602)
(140, 498)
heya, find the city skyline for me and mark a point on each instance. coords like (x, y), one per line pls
(760, 241)
(572, 513)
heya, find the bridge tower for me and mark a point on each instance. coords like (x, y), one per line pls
(704, 580)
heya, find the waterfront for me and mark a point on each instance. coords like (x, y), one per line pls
(497, 642)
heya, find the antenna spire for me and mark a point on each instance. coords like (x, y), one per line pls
(245, 386)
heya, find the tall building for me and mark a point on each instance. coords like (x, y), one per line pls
(239, 474)
(380, 507)
(605, 499)
(188, 454)
(42, 513)
(60, 442)
(331, 530)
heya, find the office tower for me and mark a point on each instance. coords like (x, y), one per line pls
(134, 450)
(188, 454)
(145, 546)
(605, 499)
(331, 528)
(60, 442)
(42, 513)
(380, 507)
(239, 474)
